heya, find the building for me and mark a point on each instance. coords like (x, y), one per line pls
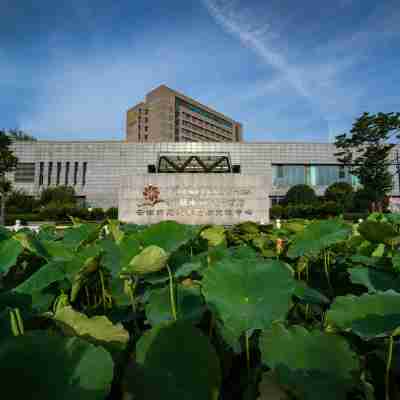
(95, 168)
(169, 116)
(170, 132)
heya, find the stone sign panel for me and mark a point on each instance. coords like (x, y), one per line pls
(194, 198)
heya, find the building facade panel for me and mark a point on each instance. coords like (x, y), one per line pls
(285, 164)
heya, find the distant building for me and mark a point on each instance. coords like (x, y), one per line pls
(169, 116)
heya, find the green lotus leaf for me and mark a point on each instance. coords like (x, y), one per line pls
(47, 367)
(30, 242)
(57, 251)
(49, 273)
(294, 226)
(377, 232)
(80, 233)
(13, 299)
(270, 388)
(189, 305)
(151, 259)
(396, 262)
(114, 227)
(48, 232)
(368, 316)
(176, 361)
(314, 365)
(318, 236)
(214, 235)
(373, 279)
(98, 330)
(309, 295)
(10, 249)
(247, 292)
(118, 255)
(169, 235)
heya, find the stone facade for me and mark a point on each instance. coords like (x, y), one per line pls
(169, 116)
(108, 161)
(194, 199)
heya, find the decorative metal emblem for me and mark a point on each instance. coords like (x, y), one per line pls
(151, 195)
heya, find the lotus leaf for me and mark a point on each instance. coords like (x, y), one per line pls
(313, 365)
(294, 226)
(168, 235)
(247, 292)
(377, 232)
(10, 249)
(57, 251)
(151, 259)
(396, 262)
(309, 295)
(176, 362)
(80, 233)
(373, 279)
(47, 367)
(318, 236)
(31, 243)
(98, 330)
(114, 227)
(118, 255)
(189, 304)
(270, 389)
(369, 316)
(214, 235)
(53, 271)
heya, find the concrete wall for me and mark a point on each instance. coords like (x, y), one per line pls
(108, 161)
(194, 198)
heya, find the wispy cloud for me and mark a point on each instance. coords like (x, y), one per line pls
(319, 75)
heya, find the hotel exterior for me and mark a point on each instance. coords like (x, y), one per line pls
(169, 116)
(95, 168)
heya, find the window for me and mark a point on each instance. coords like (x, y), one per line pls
(66, 173)
(50, 170)
(25, 172)
(84, 169)
(139, 136)
(41, 171)
(146, 120)
(145, 137)
(76, 172)
(58, 172)
(146, 128)
(342, 172)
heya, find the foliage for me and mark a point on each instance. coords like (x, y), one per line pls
(300, 194)
(366, 150)
(340, 193)
(112, 213)
(171, 311)
(8, 163)
(18, 201)
(58, 194)
(20, 136)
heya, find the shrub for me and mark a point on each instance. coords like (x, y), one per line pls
(58, 194)
(362, 200)
(60, 211)
(96, 214)
(341, 193)
(112, 213)
(277, 212)
(300, 194)
(20, 202)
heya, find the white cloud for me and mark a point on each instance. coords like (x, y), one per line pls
(318, 74)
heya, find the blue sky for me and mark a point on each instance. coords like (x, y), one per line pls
(287, 70)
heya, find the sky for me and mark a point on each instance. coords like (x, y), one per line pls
(288, 70)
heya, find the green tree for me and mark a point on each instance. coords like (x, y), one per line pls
(366, 149)
(8, 163)
(18, 135)
(58, 194)
(341, 193)
(300, 194)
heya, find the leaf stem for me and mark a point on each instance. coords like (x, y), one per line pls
(247, 345)
(103, 290)
(388, 364)
(171, 293)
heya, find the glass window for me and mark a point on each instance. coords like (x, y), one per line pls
(76, 166)
(25, 172)
(84, 170)
(66, 173)
(58, 172)
(41, 171)
(50, 171)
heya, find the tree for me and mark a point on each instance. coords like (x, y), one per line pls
(18, 135)
(341, 193)
(8, 163)
(366, 151)
(58, 194)
(300, 194)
